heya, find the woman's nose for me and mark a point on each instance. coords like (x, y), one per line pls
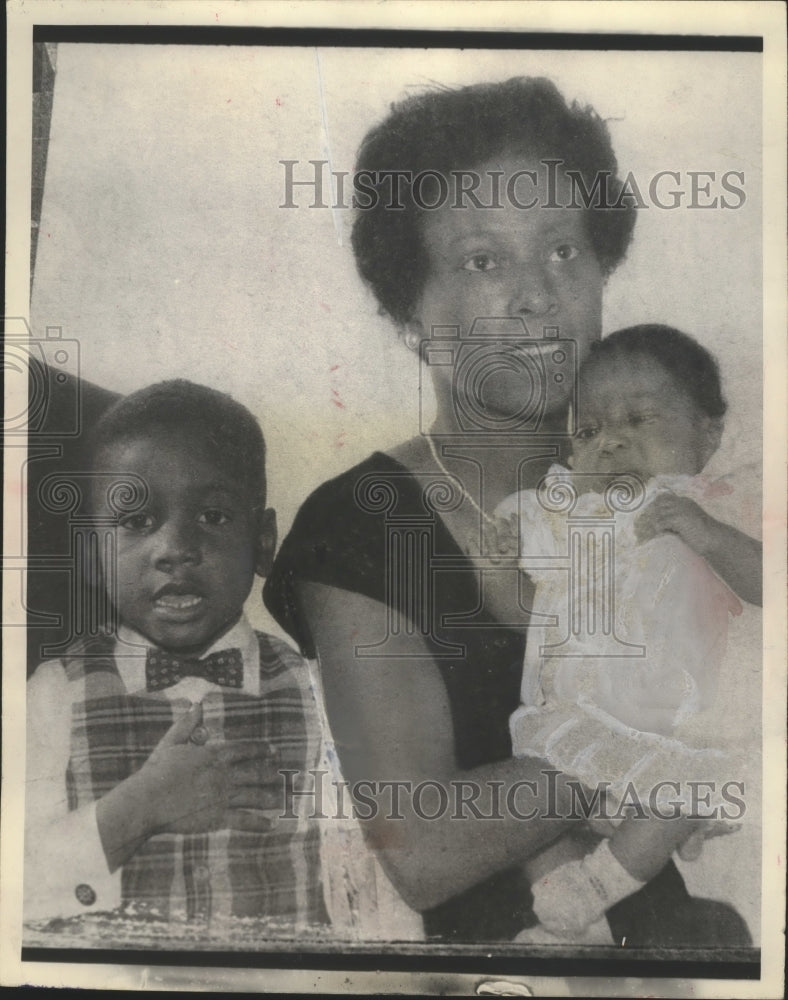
(177, 544)
(532, 294)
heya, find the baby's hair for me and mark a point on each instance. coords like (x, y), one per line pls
(693, 368)
(227, 427)
(453, 129)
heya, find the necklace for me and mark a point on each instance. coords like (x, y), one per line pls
(465, 494)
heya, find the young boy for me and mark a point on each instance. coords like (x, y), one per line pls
(154, 755)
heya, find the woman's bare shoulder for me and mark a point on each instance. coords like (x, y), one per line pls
(410, 454)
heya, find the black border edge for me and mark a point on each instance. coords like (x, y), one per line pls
(389, 38)
(483, 964)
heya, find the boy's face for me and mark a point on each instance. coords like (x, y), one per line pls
(533, 263)
(186, 560)
(634, 418)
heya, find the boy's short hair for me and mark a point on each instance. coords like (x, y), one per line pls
(691, 366)
(453, 129)
(229, 429)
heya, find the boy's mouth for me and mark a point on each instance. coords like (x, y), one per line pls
(175, 598)
(179, 601)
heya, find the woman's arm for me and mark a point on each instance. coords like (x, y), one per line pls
(391, 722)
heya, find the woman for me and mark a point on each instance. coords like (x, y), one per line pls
(493, 248)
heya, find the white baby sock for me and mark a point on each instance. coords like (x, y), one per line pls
(576, 894)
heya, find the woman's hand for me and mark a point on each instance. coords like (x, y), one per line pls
(692, 848)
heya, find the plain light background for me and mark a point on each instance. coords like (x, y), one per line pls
(164, 251)
(163, 248)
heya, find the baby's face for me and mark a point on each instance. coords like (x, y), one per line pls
(185, 561)
(634, 418)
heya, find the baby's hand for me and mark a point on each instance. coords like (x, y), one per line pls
(197, 786)
(496, 555)
(500, 539)
(677, 515)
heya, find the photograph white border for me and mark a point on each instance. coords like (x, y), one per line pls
(735, 18)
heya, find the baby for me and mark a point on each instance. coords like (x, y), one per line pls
(650, 410)
(154, 754)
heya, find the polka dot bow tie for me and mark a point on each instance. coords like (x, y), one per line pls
(162, 670)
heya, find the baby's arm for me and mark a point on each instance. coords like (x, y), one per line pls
(734, 556)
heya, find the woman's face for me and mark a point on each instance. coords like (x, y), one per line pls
(508, 263)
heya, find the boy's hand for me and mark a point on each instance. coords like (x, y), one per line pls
(679, 516)
(196, 788)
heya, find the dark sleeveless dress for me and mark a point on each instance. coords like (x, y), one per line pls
(364, 532)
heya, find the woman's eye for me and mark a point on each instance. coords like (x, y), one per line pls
(566, 251)
(214, 517)
(137, 522)
(586, 434)
(480, 262)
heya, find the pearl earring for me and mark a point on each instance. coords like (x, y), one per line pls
(412, 340)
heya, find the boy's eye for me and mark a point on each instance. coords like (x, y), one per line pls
(214, 517)
(586, 434)
(480, 262)
(564, 252)
(136, 522)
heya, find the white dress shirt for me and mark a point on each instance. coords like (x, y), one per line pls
(63, 849)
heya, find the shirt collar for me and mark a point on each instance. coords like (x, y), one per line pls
(131, 648)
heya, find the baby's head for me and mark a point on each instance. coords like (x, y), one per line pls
(649, 403)
(187, 556)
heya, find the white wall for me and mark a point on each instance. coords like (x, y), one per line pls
(163, 248)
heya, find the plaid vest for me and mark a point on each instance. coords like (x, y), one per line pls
(226, 872)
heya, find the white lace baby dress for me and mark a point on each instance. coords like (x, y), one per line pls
(620, 679)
